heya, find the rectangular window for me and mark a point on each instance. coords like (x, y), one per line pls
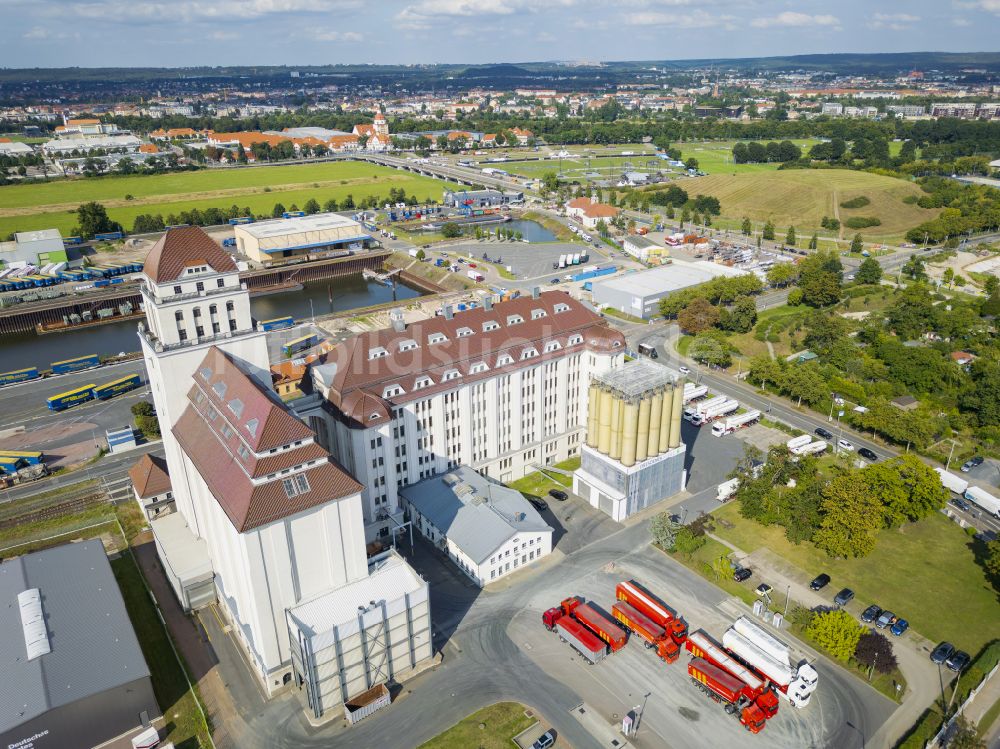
(200, 286)
(220, 282)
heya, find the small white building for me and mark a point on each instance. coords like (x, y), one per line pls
(151, 486)
(642, 248)
(489, 530)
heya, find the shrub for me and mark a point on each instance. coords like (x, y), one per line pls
(910, 199)
(859, 202)
(862, 222)
(837, 632)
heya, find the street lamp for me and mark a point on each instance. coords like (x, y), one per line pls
(860, 732)
(950, 453)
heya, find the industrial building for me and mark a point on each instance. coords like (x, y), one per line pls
(640, 293)
(36, 248)
(73, 674)
(501, 388)
(634, 456)
(112, 143)
(487, 529)
(644, 249)
(266, 522)
(285, 239)
(481, 198)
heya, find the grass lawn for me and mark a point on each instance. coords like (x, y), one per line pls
(34, 533)
(53, 204)
(622, 315)
(925, 572)
(801, 197)
(500, 724)
(176, 700)
(716, 157)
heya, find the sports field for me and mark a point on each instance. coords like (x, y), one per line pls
(801, 197)
(53, 204)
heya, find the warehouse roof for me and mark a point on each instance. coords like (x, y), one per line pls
(666, 279)
(282, 226)
(92, 646)
(472, 511)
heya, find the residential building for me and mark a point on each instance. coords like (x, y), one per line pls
(284, 239)
(832, 108)
(523, 135)
(906, 110)
(266, 522)
(640, 293)
(73, 674)
(961, 110)
(151, 486)
(487, 529)
(376, 134)
(500, 388)
(588, 211)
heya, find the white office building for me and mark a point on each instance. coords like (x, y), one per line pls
(266, 522)
(499, 388)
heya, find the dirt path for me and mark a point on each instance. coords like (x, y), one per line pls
(836, 214)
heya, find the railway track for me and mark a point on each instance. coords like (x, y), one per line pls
(33, 510)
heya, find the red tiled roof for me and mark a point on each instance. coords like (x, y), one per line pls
(149, 476)
(183, 247)
(359, 382)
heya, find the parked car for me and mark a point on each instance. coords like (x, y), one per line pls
(558, 494)
(742, 573)
(870, 614)
(845, 445)
(885, 619)
(763, 589)
(867, 454)
(958, 660)
(544, 741)
(844, 597)
(824, 433)
(960, 504)
(972, 463)
(942, 652)
(899, 627)
(555, 280)
(820, 581)
(538, 504)
(683, 370)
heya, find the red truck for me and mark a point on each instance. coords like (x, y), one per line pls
(722, 686)
(645, 628)
(755, 689)
(597, 623)
(563, 619)
(647, 604)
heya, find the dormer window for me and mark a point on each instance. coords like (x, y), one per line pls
(296, 485)
(377, 353)
(392, 390)
(463, 332)
(504, 359)
(252, 426)
(490, 325)
(451, 374)
(407, 345)
(479, 366)
(205, 373)
(514, 320)
(528, 353)
(537, 314)
(552, 346)
(422, 382)
(236, 406)
(560, 307)
(574, 339)
(436, 338)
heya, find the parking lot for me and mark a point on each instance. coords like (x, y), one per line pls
(526, 260)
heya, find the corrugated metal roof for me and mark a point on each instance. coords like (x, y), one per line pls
(94, 647)
(472, 511)
(678, 275)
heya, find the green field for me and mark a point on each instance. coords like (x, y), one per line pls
(716, 157)
(801, 197)
(925, 572)
(44, 205)
(493, 727)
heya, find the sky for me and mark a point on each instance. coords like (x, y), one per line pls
(173, 33)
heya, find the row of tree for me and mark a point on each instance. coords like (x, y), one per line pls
(761, 153)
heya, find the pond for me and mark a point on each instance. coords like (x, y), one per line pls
(530, 230)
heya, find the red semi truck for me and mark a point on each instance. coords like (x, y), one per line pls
(597, 623)
(722, 686)
(647, 604)
(584, 628)
(646, 629)
(755, 689)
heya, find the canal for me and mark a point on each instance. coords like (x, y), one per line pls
(316, 297)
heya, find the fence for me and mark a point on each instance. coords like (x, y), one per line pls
(946, 728)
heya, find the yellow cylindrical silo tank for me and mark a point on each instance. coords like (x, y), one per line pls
(616, 429)
(665, 419)
(642, 434)
(604, 429)
(630, 425)
(593, 403)
(675, 416)
(655, 409)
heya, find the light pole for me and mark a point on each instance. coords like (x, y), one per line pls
(788, 592)
(860, 733)
(950, 453)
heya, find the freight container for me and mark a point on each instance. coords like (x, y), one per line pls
(116, 387)
(76, 365)
(801, 441)
(70, 398)
(475, 275)
(951, 482)
(19, 375)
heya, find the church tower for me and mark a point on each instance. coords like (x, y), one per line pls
(193, 300)
(381, 126)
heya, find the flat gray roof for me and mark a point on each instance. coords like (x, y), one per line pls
(299, 225)
(474, 512)
(665, 279)
(93, 645)
(637, 377)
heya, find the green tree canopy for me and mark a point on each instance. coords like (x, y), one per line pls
(869, 272)
(837, 632)
(699, 315)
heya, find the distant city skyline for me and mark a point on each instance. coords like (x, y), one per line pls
(118, 33)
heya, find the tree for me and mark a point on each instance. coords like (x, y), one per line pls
(691, 163)
(869, 272)
(278, 211)
(857, 244)
(908, 488)
(348, 203)
(710, 349)
(965, 735)
(768, 232)
(602, 227)
(795, 297)
(746, 228)
(663, 530)
(699, 315)
(790, 236)
(742, 316)
(330, 206)
(550, 182)
(837, 632)
(875, 651)
(92, 218)
(311, 206)
(451, 230)
(421, 255)
(782, 274)
(851, 519)
(813, 241)
(145, 419)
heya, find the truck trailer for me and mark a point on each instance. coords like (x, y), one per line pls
(771, 658)
(724, 687)
(813, 448)
(709, 415)
(727, 489)
(652, 634)
(983, 499)
(564, 620)
(647, 604)
(694, 392)
(951, 482)
(801, 441)
(596, 622)
(698, 408)
(475, 275)
(732, 423)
